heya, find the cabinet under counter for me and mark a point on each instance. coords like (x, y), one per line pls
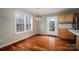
(76, 32)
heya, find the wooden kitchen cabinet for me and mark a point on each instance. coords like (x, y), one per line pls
(65, 34)
(66, 18)
(61, 19)
(62, 33)
(77, 42)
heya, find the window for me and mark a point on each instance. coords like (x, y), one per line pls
(28, 23)
(23, 23)
(19, 22)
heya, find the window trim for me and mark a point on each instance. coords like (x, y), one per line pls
(17, 12)
(31, 24)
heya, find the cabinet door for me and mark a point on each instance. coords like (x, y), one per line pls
(61, 19)
(77, 42)
(69, 18)
(62, 33)
(69, 35)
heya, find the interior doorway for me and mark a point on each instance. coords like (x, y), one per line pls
(52, 27)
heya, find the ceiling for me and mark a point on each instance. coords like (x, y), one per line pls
(45, 11)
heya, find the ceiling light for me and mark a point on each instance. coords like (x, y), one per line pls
(38, 16)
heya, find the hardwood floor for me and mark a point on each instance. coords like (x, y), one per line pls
(40, 43)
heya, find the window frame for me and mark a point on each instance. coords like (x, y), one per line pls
(31, 20)
(17, 12)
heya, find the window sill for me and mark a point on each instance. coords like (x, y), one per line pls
(19, 32)
(23, 32)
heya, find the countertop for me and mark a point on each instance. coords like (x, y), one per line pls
(76, 32)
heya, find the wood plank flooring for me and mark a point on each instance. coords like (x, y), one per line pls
(40, 43)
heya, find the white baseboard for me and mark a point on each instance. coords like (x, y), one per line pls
(46, 34)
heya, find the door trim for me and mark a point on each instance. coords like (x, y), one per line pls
(56, 25)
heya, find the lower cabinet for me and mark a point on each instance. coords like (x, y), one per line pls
(77, 42)
(65, 34)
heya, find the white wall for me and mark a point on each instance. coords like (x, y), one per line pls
(42, 25)
(7, 26)
(0, 24)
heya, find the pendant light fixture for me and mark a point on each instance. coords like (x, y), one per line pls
(38, 15)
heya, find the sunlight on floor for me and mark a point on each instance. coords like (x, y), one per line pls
(51, 41)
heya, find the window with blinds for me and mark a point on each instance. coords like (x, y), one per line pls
(23, 23)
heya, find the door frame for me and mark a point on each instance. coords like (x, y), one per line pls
(56, 26)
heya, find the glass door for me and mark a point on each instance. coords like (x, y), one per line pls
(52, 27)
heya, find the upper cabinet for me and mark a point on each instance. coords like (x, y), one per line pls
(66, 18)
